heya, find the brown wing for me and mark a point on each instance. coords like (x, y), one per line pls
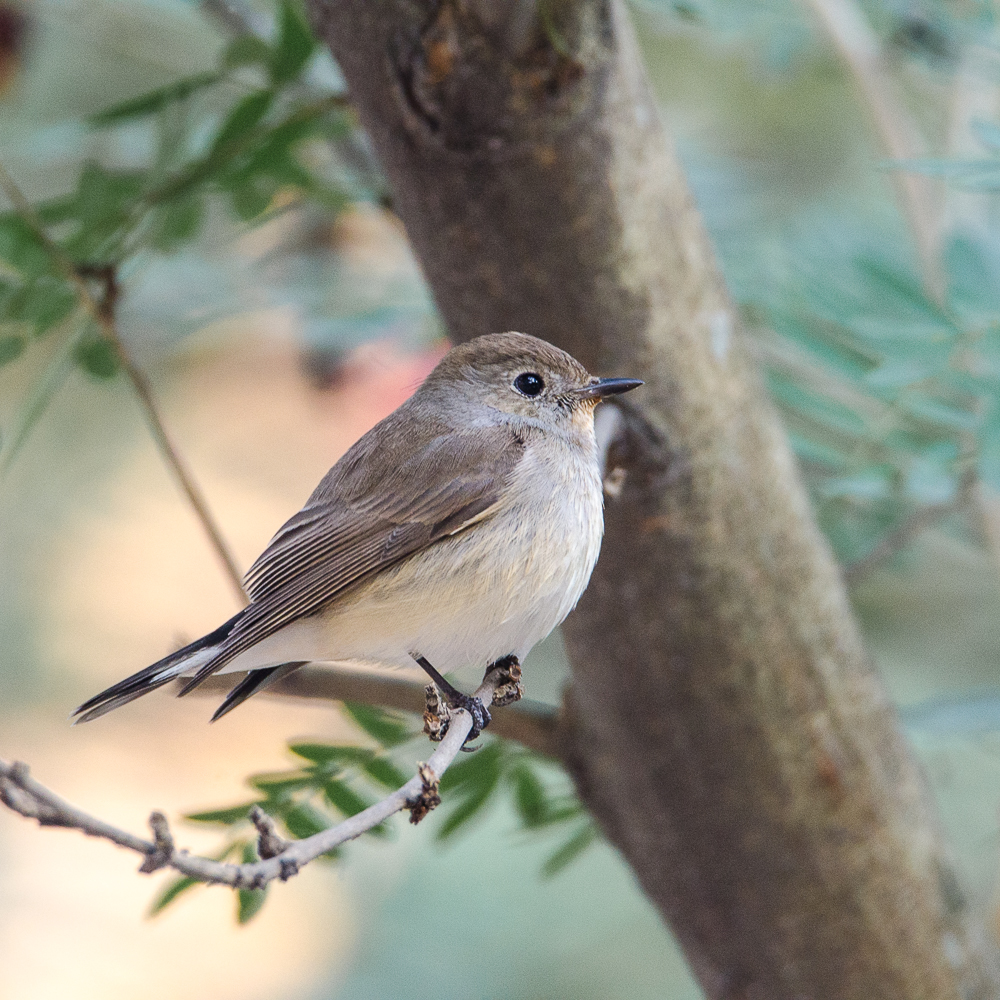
(370, 512)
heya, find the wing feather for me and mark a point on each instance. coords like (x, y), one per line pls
(364, 517)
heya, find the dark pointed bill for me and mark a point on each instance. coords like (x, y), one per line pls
(608, 387)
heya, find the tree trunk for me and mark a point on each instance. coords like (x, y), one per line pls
(724, 724)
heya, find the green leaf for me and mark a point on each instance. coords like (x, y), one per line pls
(97, 356)
(529, 797)
(244, 117)
(153, 101)
(178, 223)
(225, 817)
(171, 891)
(330, 753)
(44, 303)
(249, 901)
(106, 211)
(476, 780)
(385, 727)
(254, 197)
(974, 278)
(382, 770)
(465, 811)
(247, 50)
(934, 411)
(11, 348)
(39, 396)
(21, 248)
(896, 290)
(282, 783)
(573, 847)
(304, 820)
(344, 799)
(477, 770)
(870, 484)
(294, 46)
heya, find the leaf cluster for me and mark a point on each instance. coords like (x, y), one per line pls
(236, 139)
(338, 780)
(892, 399)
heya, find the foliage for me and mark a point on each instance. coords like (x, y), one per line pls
(237, 139)
(339, 780)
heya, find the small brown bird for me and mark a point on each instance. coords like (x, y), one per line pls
(456, 533)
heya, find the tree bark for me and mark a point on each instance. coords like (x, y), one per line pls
(724, 724)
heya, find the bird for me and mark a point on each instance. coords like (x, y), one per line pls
(458, 532)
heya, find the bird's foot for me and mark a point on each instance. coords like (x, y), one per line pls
(509, 688)
(481, 717)
(436, 722)
(436, 714)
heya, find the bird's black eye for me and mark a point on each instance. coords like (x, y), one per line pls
(529, 384)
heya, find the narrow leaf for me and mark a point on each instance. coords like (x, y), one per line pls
(344, 799)
(329, 753)
(529, 797)
(173, 889)
(21, 248)
(97, 356)
(153, 101)
(249, 901)
(304, 820)
(247, 113)
(465, 811)
(11, 348)
(247, 50)
(294, 46)
(386, 728)
(573, 847)
(477, 771)
(225, 817)
(382, 770)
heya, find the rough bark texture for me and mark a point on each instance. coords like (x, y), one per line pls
(724, 724)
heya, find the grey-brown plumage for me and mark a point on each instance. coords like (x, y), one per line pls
(463, 527)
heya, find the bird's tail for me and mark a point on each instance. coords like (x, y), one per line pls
(185, 660)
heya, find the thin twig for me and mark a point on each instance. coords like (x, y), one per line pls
(21, 793)
(102, 312)
(533, 724)
(858, 47)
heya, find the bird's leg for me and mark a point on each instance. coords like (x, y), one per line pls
(473, 705)
(509, 689)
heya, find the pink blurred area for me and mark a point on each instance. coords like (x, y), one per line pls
(127, 575)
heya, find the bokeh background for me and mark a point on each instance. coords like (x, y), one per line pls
(275, 335)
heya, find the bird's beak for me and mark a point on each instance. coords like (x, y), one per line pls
(607, 387)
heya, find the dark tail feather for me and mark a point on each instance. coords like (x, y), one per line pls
(152, 677)
(254, 681)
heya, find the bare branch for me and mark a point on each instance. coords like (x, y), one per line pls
(21, 793)
(103, 313)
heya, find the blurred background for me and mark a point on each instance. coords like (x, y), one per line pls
(197, 163)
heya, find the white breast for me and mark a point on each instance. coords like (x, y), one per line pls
(495, 588)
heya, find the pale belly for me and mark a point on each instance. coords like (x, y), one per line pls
(493, 589)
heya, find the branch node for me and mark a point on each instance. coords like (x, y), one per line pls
(429, 797)
(269, 842)
(436, 714)
(289, 867)
(163, 844)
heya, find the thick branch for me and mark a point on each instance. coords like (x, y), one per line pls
(533, 724)
(724, 723)
(21, 793)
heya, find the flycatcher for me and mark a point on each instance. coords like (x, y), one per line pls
(458, 532)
